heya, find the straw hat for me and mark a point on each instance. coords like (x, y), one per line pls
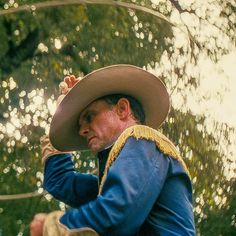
(116, 79)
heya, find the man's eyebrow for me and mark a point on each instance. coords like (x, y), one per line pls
(85, 114)
(82, 115)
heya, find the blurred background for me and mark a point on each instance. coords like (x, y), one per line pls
(189, 44)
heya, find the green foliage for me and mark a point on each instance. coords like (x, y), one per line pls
(39, 48)
(213, 192)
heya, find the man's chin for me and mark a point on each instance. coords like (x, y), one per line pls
(95, 149)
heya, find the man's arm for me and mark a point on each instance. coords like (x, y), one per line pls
(64, 183)
(133, 184)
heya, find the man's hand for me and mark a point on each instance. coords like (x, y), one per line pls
(36, 225)
(66, 85)
(70, 80)
(46, 147)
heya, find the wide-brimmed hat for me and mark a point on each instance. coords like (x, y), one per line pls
(148, 89)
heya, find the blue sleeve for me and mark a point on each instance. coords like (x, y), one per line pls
(133, 184)
(64, 183)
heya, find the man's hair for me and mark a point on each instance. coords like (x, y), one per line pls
(136, 107)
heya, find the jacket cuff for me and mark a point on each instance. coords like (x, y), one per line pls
(47, 149)
(84, 231)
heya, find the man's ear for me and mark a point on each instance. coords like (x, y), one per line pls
(123, 108)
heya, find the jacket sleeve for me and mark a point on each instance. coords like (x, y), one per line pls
(133, 183)
(65, 184)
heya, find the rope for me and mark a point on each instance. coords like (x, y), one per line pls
(29, 195)
(41, 5)
(58, 3)
(21, 196)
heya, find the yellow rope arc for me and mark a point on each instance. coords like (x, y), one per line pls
(58, 3)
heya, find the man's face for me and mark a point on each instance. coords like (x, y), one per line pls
(100, 125)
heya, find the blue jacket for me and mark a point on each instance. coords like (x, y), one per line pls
(146, 192)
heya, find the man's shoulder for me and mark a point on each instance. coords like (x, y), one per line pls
(147, 133)
(142, 132)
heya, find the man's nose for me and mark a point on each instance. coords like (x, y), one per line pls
(84, 130)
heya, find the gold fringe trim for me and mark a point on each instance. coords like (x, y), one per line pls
(141, 132)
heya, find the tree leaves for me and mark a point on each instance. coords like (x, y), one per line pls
(39, 47)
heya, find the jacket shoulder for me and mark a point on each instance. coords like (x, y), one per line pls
(147, 133)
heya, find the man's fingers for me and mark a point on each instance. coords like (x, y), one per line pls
(68, 83)
(64, 88)
(71, 80)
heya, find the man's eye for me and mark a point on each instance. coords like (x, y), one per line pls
(89, 118)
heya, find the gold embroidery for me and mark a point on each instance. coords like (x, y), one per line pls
(141, 132)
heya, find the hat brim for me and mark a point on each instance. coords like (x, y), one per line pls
(117, 79)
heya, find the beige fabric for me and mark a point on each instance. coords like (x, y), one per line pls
(47, 148)
(85, 231)
(52, 227)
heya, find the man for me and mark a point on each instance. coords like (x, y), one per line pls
(143, 187)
